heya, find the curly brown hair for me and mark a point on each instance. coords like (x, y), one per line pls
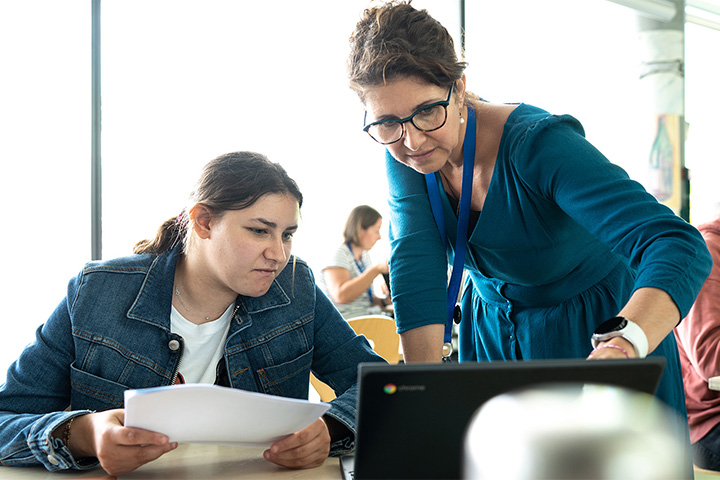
(396, 40)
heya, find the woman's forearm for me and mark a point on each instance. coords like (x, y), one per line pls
(423, 344)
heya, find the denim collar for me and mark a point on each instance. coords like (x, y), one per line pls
(153, 301)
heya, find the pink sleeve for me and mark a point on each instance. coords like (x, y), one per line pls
(699, 332)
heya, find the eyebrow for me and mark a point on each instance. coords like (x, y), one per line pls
(270, 224)
(397, 117)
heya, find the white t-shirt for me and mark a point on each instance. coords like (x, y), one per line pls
(203, 345)
(362, 305)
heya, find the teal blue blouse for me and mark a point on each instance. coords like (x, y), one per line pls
(563, 240)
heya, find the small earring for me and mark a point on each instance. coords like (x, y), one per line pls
(462, 120)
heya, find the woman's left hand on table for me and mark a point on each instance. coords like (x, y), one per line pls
(307, 448)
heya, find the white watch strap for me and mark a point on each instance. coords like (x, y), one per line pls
(635, 335)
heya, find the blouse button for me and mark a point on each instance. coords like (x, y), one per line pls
(174, 345)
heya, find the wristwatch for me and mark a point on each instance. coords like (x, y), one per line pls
(622, 327)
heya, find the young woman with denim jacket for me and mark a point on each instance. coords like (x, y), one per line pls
(224, 259)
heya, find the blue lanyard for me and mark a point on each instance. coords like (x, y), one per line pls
(463, 218)
(361, 267)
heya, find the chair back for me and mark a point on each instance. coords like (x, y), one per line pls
(381, 332)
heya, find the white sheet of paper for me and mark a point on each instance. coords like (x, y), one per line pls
(199, 413)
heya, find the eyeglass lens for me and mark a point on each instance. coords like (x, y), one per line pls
(426, 119)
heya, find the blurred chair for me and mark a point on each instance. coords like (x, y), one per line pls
(380, 331)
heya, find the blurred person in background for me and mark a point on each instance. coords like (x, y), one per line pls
(698, 337)
(348, 277)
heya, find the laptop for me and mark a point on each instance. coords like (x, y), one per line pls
(412, 417)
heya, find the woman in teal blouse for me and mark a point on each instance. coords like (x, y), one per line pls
(558, 242)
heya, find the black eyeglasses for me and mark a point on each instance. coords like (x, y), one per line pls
(426, 119)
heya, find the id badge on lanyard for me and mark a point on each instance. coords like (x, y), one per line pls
(453, 311)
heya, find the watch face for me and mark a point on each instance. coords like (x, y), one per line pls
(612, 325)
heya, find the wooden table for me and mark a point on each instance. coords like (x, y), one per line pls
(190, 461)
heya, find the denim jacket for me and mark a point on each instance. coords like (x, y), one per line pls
(112, 333)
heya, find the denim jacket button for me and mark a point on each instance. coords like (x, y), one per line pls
(174, 345)
(53, 460)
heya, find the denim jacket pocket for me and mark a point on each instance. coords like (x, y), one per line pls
(90, 392)
(289, 379)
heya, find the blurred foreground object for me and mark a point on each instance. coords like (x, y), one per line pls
(575, 432)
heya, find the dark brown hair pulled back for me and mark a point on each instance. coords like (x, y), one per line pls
(396, 40)
(233, 181)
